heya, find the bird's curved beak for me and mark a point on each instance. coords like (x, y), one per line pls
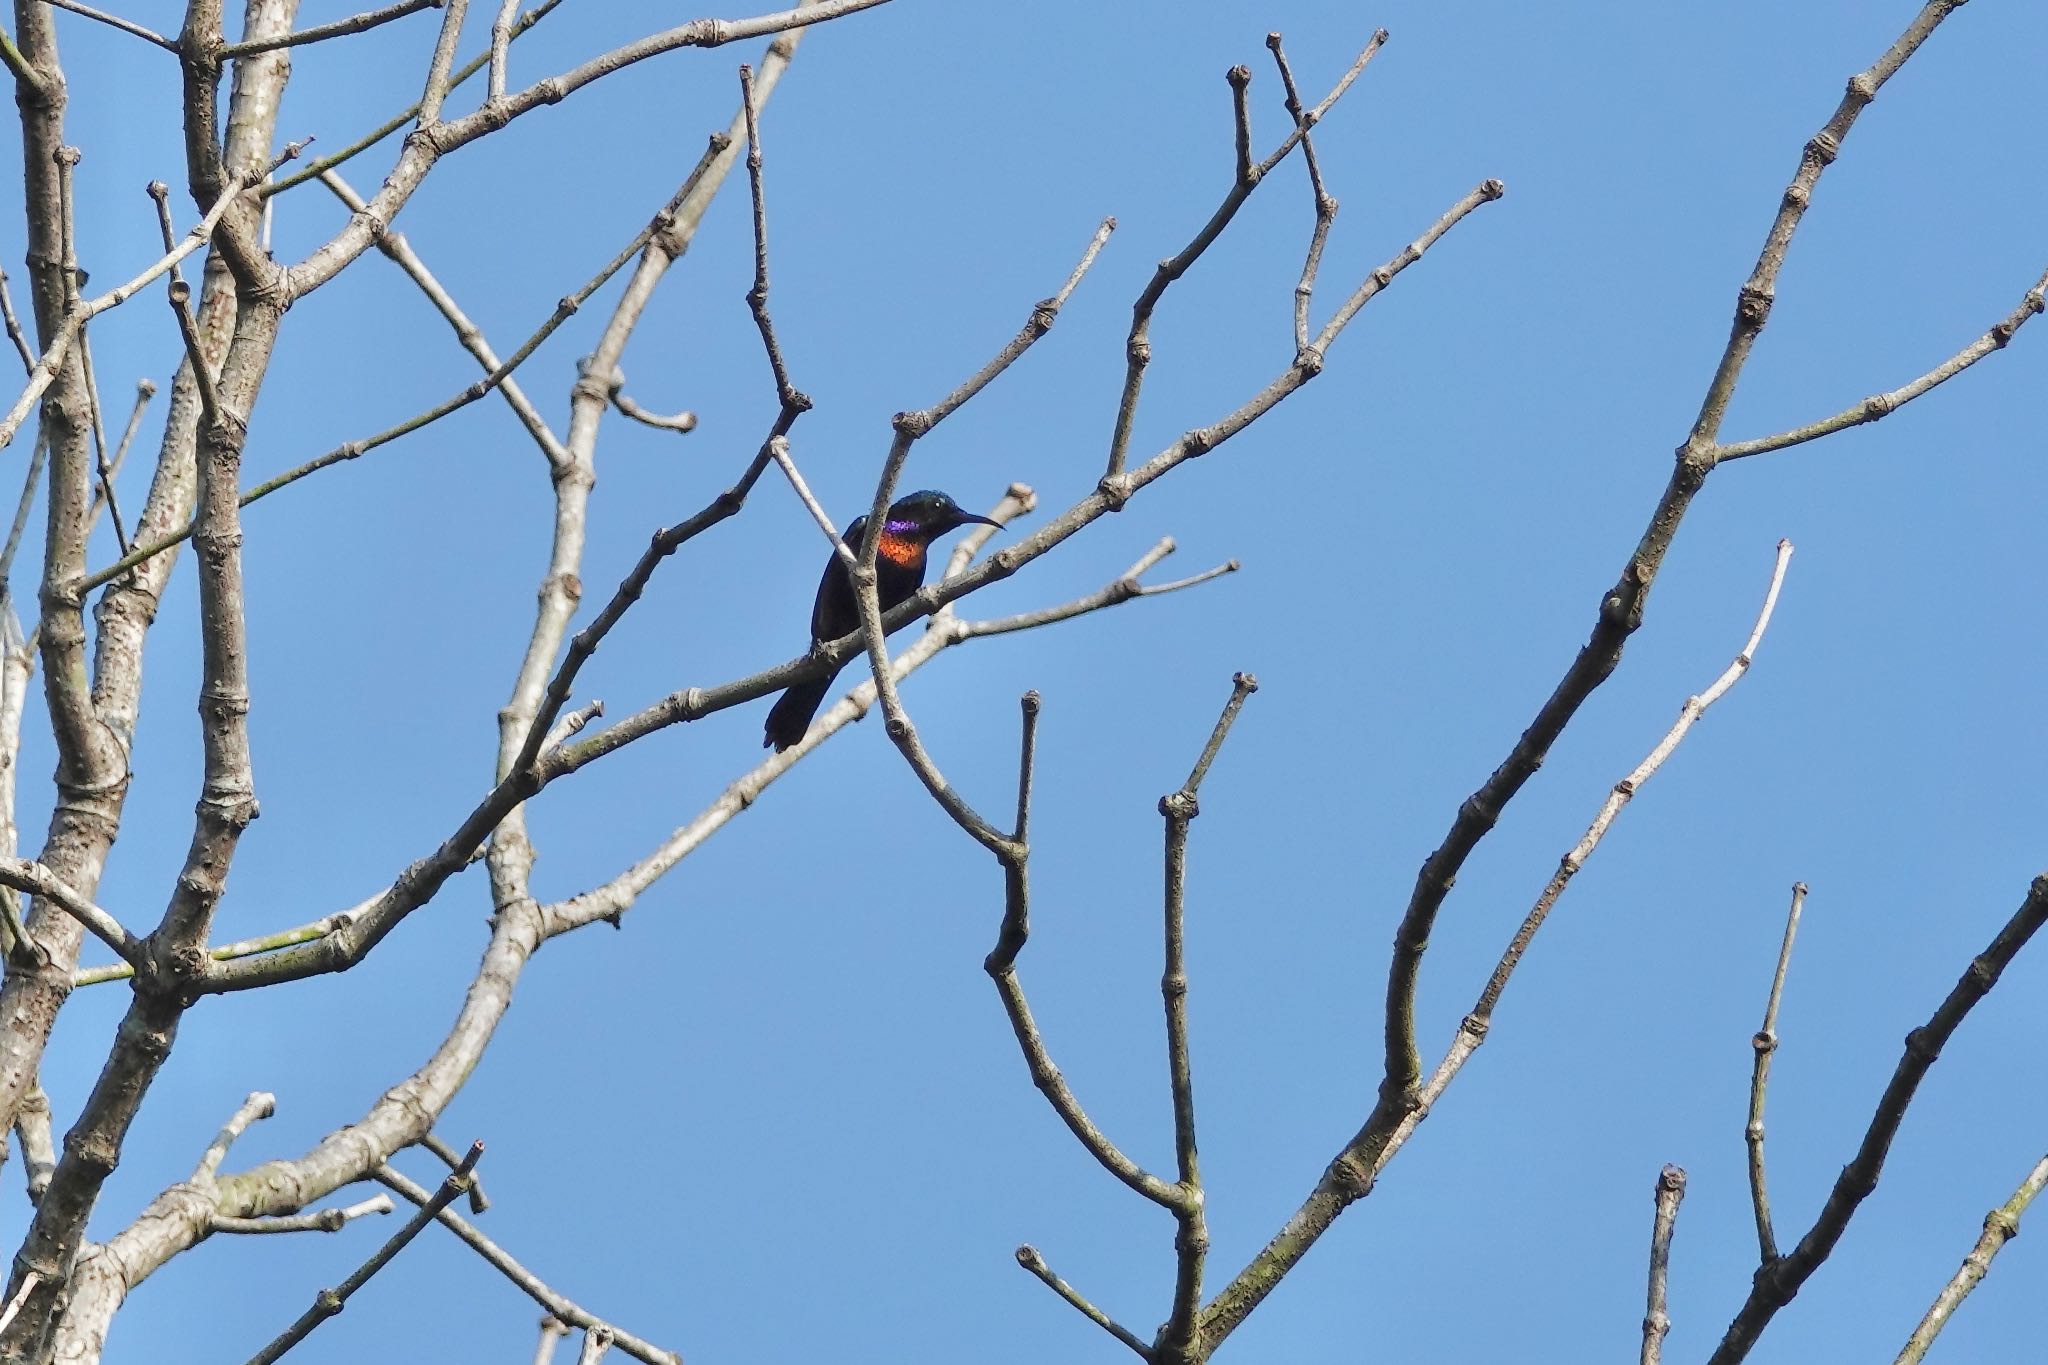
(976, 518)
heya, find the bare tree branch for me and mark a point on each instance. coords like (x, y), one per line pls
(403, 116)
(115, 21)
(1028, 1257)
(557, 1305)
(1776, 1283)
(1764, 1044)
(1656, 1318)
(1138, 347)
(399, 250)
(2001, 1225)
(328, 1302)
(355, 23)
(325, 1220)
(1880, 405)
(1351, 1174)
(1191, 1237)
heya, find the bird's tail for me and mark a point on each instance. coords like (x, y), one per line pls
(791, 715)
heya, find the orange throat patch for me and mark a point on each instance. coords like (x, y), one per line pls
(899, 550)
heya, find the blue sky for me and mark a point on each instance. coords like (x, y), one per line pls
(781, 1109)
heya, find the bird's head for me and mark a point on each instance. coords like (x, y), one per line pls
(927, 514)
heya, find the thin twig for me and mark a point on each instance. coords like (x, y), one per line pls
(596, 1341)
(30, 481)
(399, 251)
(1624, 790)
(28, 1287)
(331, 1301)
(403, 116)
(1656, 1317)
(115, 21)
(103, 462)
(248, 947)
(757, 297)
(355, 23)
(260, 1105)
(1880, 405)
(24, 72)
(1028, 1257)
(1776, 1283)
(501, 39)
(1240, 78)
(1325, 203)
(2001, 1225)
(14, 332)
(564, 310)
(431, 99)
(684, 422)
(552, 1330)
(1765, 1043)
(38, 1143)
(1138, 345)
(1191, 1227)
(778, 448)
(44, 371)
(32, 877)
(558, 1305)
(325, 1220)
(479, 1202)
(909, 427)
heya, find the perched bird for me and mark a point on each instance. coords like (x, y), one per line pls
(915, 521)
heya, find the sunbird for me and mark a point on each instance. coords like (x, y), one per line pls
(915, 521)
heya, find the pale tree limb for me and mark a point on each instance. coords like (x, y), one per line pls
(1621, 608)
(340, 28)
(260, 1105)
(399, 251)
(325, 1220)
(1029, 1257)
(21, 874)
(1776, 1283)
(226, 804)
(115, 21)
(1764, 1044)
(1325, 203)
(1138, 345)
(38, 1146)
(28, 1287)
(59, 340)
(558, 1306)
(596, 1341)
(1177, 1339)
(1880, 405)
(479, 1202)
(1001, 965)
(611, 899)
(403, 116)
(1351, 1175)
(328, 1302)
(543, 686)
(909, 427)
(564, 309)
(436, 92)
(12, 322)
(437, 137)
(552, 1330)
(420, 881)
(2001, 1225)
(145, 389)
(501, 40)
(92, 774)
(1656, 1315)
